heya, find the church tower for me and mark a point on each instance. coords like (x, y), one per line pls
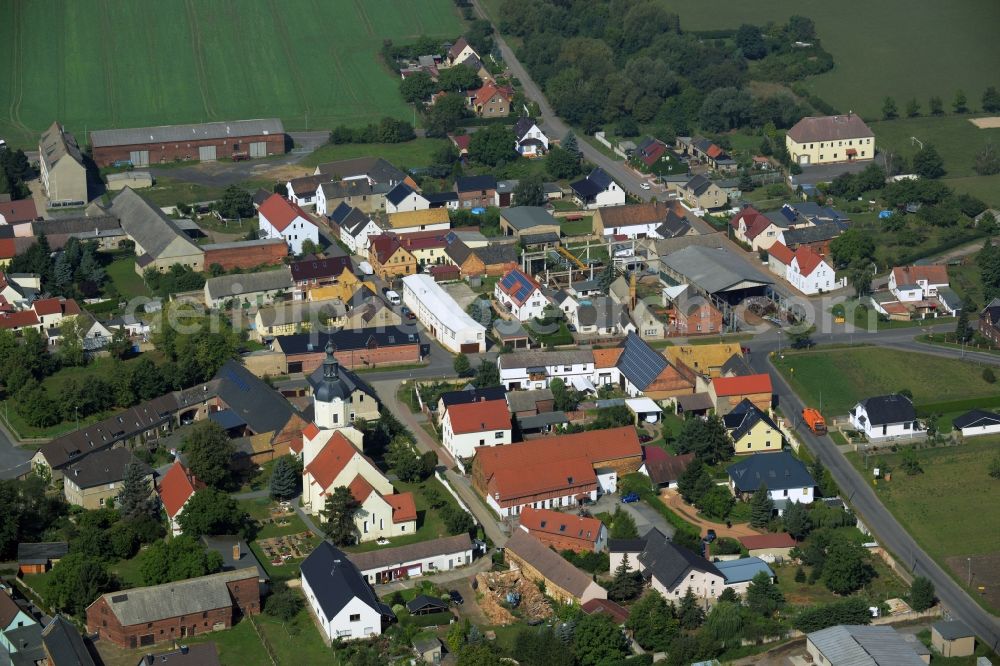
(331, 394)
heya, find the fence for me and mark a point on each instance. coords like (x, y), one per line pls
(451, 491)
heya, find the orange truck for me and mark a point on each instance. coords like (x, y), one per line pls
(814, 420)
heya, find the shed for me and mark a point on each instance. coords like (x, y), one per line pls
(428, 649)
(645, 409)
(33, 558)
(953, 639)
(425, 605)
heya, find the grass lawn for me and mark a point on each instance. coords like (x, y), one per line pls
(170, 191)
(418, 152)
(581, 227)
(560, 337)
(430, 525)
(915, 240)
(295, 642)
(238, 645)
(886, 585)
(179, 72)
(875, 46)
(941, 340)
(128, 572)
(128, 283)
(865, 318)
(838, 378)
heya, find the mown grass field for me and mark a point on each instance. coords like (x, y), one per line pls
(840, 377)
(893, 47)
(119, 63)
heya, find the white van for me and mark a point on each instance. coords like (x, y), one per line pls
(393, 297)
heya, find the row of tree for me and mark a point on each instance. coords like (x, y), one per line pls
(77, 271)
(959, 104)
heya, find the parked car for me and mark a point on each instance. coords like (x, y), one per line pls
(456, 597)
(644, 186)
(630, 497)
(710, 536)
(803, 343)
(571, 327)
(643, 438)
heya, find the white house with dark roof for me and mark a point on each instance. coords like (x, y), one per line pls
(670, 569)
(977, 422)
(886, 417)
(404, 198)
(597, 190)
(521, 295)
(529, 139)
(340, 597)
(785, 476)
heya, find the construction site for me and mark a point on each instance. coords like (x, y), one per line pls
(506, 597)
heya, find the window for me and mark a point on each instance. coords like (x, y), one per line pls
(498, 434)
(785, 492)
(356, 617)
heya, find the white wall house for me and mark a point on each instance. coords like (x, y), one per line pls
(340, 597)
(978, 422)
(521, 295)
(672, 571)
(917, 283)
(535, 369)
(468, 425)
(786, 477)
(387, 564)
(403, 198)
(810, 274)
(886, 417)
(442, 316)
(282, 219)
(530, 140)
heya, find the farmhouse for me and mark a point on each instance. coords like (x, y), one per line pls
(804, 269)
(637, 220)
(829, 139)
(700, 192)
(492, 260)
(756, 229)
(706, 360)
(354, 227)
(597, 190)
(364, 348)
(412, 221)
(341, 599)
(282, 219)
(703, 150)
(466, 426)
(206, 142)
(147, 615)
(539, 563)
(466, 395)
(670, 569)
(302, 191)
(312, 272)
(253, 288)
(97, 479)
(159, 242)
(476, 191)
(442, 316)
(535, 369)
(491, 100)
(565, 531)
(785, 476)
(389, 258)
(358, 192)
(918, 291)
(176, 488)
(403, 198)
(424, 557)
(886, 417)
(521, 295)
(644, 371)
(989, 321)
(528, 220)
(61, 169)
(859, 644)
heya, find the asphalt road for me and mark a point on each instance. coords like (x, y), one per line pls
(855, 488)
(14, 460)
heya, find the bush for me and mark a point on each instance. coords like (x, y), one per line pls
(283, 605)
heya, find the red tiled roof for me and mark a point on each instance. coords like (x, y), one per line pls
(488, 91)
(479, 417)
(22, 210)
(548, 521)
(310, 431)
(384, 246)
(808, 260)
(461, 141)
(663, 467)
(932, 274)
(331, 460)
(607, 358)
(360, 488)
(21, 319)
(8, 248)
(653, 153)
(280, 213)
(618, 613)
(47, 306)
(745, 385)
(296, 445)
(781, 252)
(779, 540)
(71, 307)
(520, 278)
(509, 484)
(404, 508)
(176, 487)
(755, 221)
(714, 151)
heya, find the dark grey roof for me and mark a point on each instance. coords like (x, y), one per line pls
(329, 381)
(527, 217)
(814, 234)
(76, 225)
(199, 654)
(548, 563)
(226, 546)
(173, 133)
(475, 183)
(348, 339)
(628, 545)
(991, 312)
(780, 471)
(736, 366)
(668, 563)
(496, 253)
(601, 312)
(398, 193)
(542, 420)
(375, 168)
(261, 195)
(885, 409)
(976, 417)
(711, 269)
(422, 602)
(640, 363)
(520, 401)
(103, 467)
(813, 211)
(42, 552)
(28, 640)
(320, 268)
(953, 629)
(857, 645)
(523, 126)
(335, 581)
(744, 417)
(472, 394)
(226, 286)
(414, 552)
(306, 186)
(698, 185)
(437, 199)
(64, 644)
(538, 239)
(264, 409)
(674, 226)
(149, 227)
(593, 184)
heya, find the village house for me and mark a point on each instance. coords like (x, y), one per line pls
(459, 52)
(159, 242)
(816, 237)
(640, 221)
(17, 212)
(227, 291)
(427, 247)
(918, 292)
(359, 192)
(540, 564)
(534, 221)
(597, 190)
(752, 430)
(700, 192)
(491, 100)
(416, 559)
(977, 422)
(466, 426)
(535, 369)
(353, 227)
(521, 295)
(690, 313)
(706, 360)
(97, 479)
(374, 170)
(312, 272)
(491, 260)
(529, 139)
(756, 229)
(886, 417)
(830, 139)
(20, 634)
(703, 150)
(353, 348)
(555, 472)
(530, 403)
(36, 558)
(650, 151)
(282, 219)
(476, 191)
(446, 320)
(467, 394)
(803, 269)
(413, 221)
(302, 191)
(296, 316)
(670, 569)
(389, 259)
(176, 488)
(61, 169)
(728, 392)
(340, 598)
(785, 476)
(63, 645)
(641, 370)
(662, 468)
(565, 531)
(143, 616)
(404, 198)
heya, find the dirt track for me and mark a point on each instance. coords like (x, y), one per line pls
(992, 122)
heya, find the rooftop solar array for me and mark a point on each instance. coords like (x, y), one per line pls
(518, 285)
(639, 362)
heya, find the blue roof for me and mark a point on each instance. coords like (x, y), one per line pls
(472, 183)
(640, 363)
(227, 418)
(340, 212)
(778, 471)
(743, 570)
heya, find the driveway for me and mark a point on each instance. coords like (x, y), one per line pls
(644, 515)
(673, 499)
(15, 461)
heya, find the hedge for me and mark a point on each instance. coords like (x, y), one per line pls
(923, 411)
(429, 620)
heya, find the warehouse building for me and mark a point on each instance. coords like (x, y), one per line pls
(207, 142)
(442, 316)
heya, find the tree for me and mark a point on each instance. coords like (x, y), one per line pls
(995, 467)
(209, 451)
(285, 479)
(561, 163)
(763, 596)
(962, 331)
(706, 438)
(991, 100)
(598, 640)
(570, 144)
(750, 41)
(928, 162)
(845, 611)
(689, 612)
(461, 365)
(912, 108)
(76, 580)
(652, 622)
(236, 203)
(717, 502)
(989, 376)
(889, 110)
(796, 521)
(458, 79)
(910, 463)
(180, 558)
(493, 145)
(960, 104)
(284, 604)
(136, 498)
(921, 594)
(564, 398)
(445, 115)
(487, 375)
(211, 511)
(529, 192)
(846, 568)
(935, 105)
(626, 584)
(479, 654)
(622, 525)
(761, 507)
(338, 516)
(457, 520)
(987, 161)
(724, 109)
(694, 482)
(417, 87)
(852, 247)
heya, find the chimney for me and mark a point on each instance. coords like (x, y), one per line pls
(236, 551)
(631, 291)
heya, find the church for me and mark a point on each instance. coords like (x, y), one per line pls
(333, 455)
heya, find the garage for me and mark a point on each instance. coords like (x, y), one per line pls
(139, 158)
(206, 153)
(258, 149)
(470, 348)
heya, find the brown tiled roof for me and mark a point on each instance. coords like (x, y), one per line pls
(779, 540)
(568, 525)
(634, 214)
(666, 468)
(592, 445)
(618, 613)
(548, 563)
(933, 274)
(479, 417)
(829, 128)
(404, 508)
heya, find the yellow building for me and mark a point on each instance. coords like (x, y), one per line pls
(96, 480)
(347, 284)
(828, 139)
(704, 359)
(411, 221)
(752, 430)
(298, 316)
(389, 259)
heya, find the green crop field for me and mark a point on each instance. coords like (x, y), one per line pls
(891, 47)
(840, 377)
(121, 63)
